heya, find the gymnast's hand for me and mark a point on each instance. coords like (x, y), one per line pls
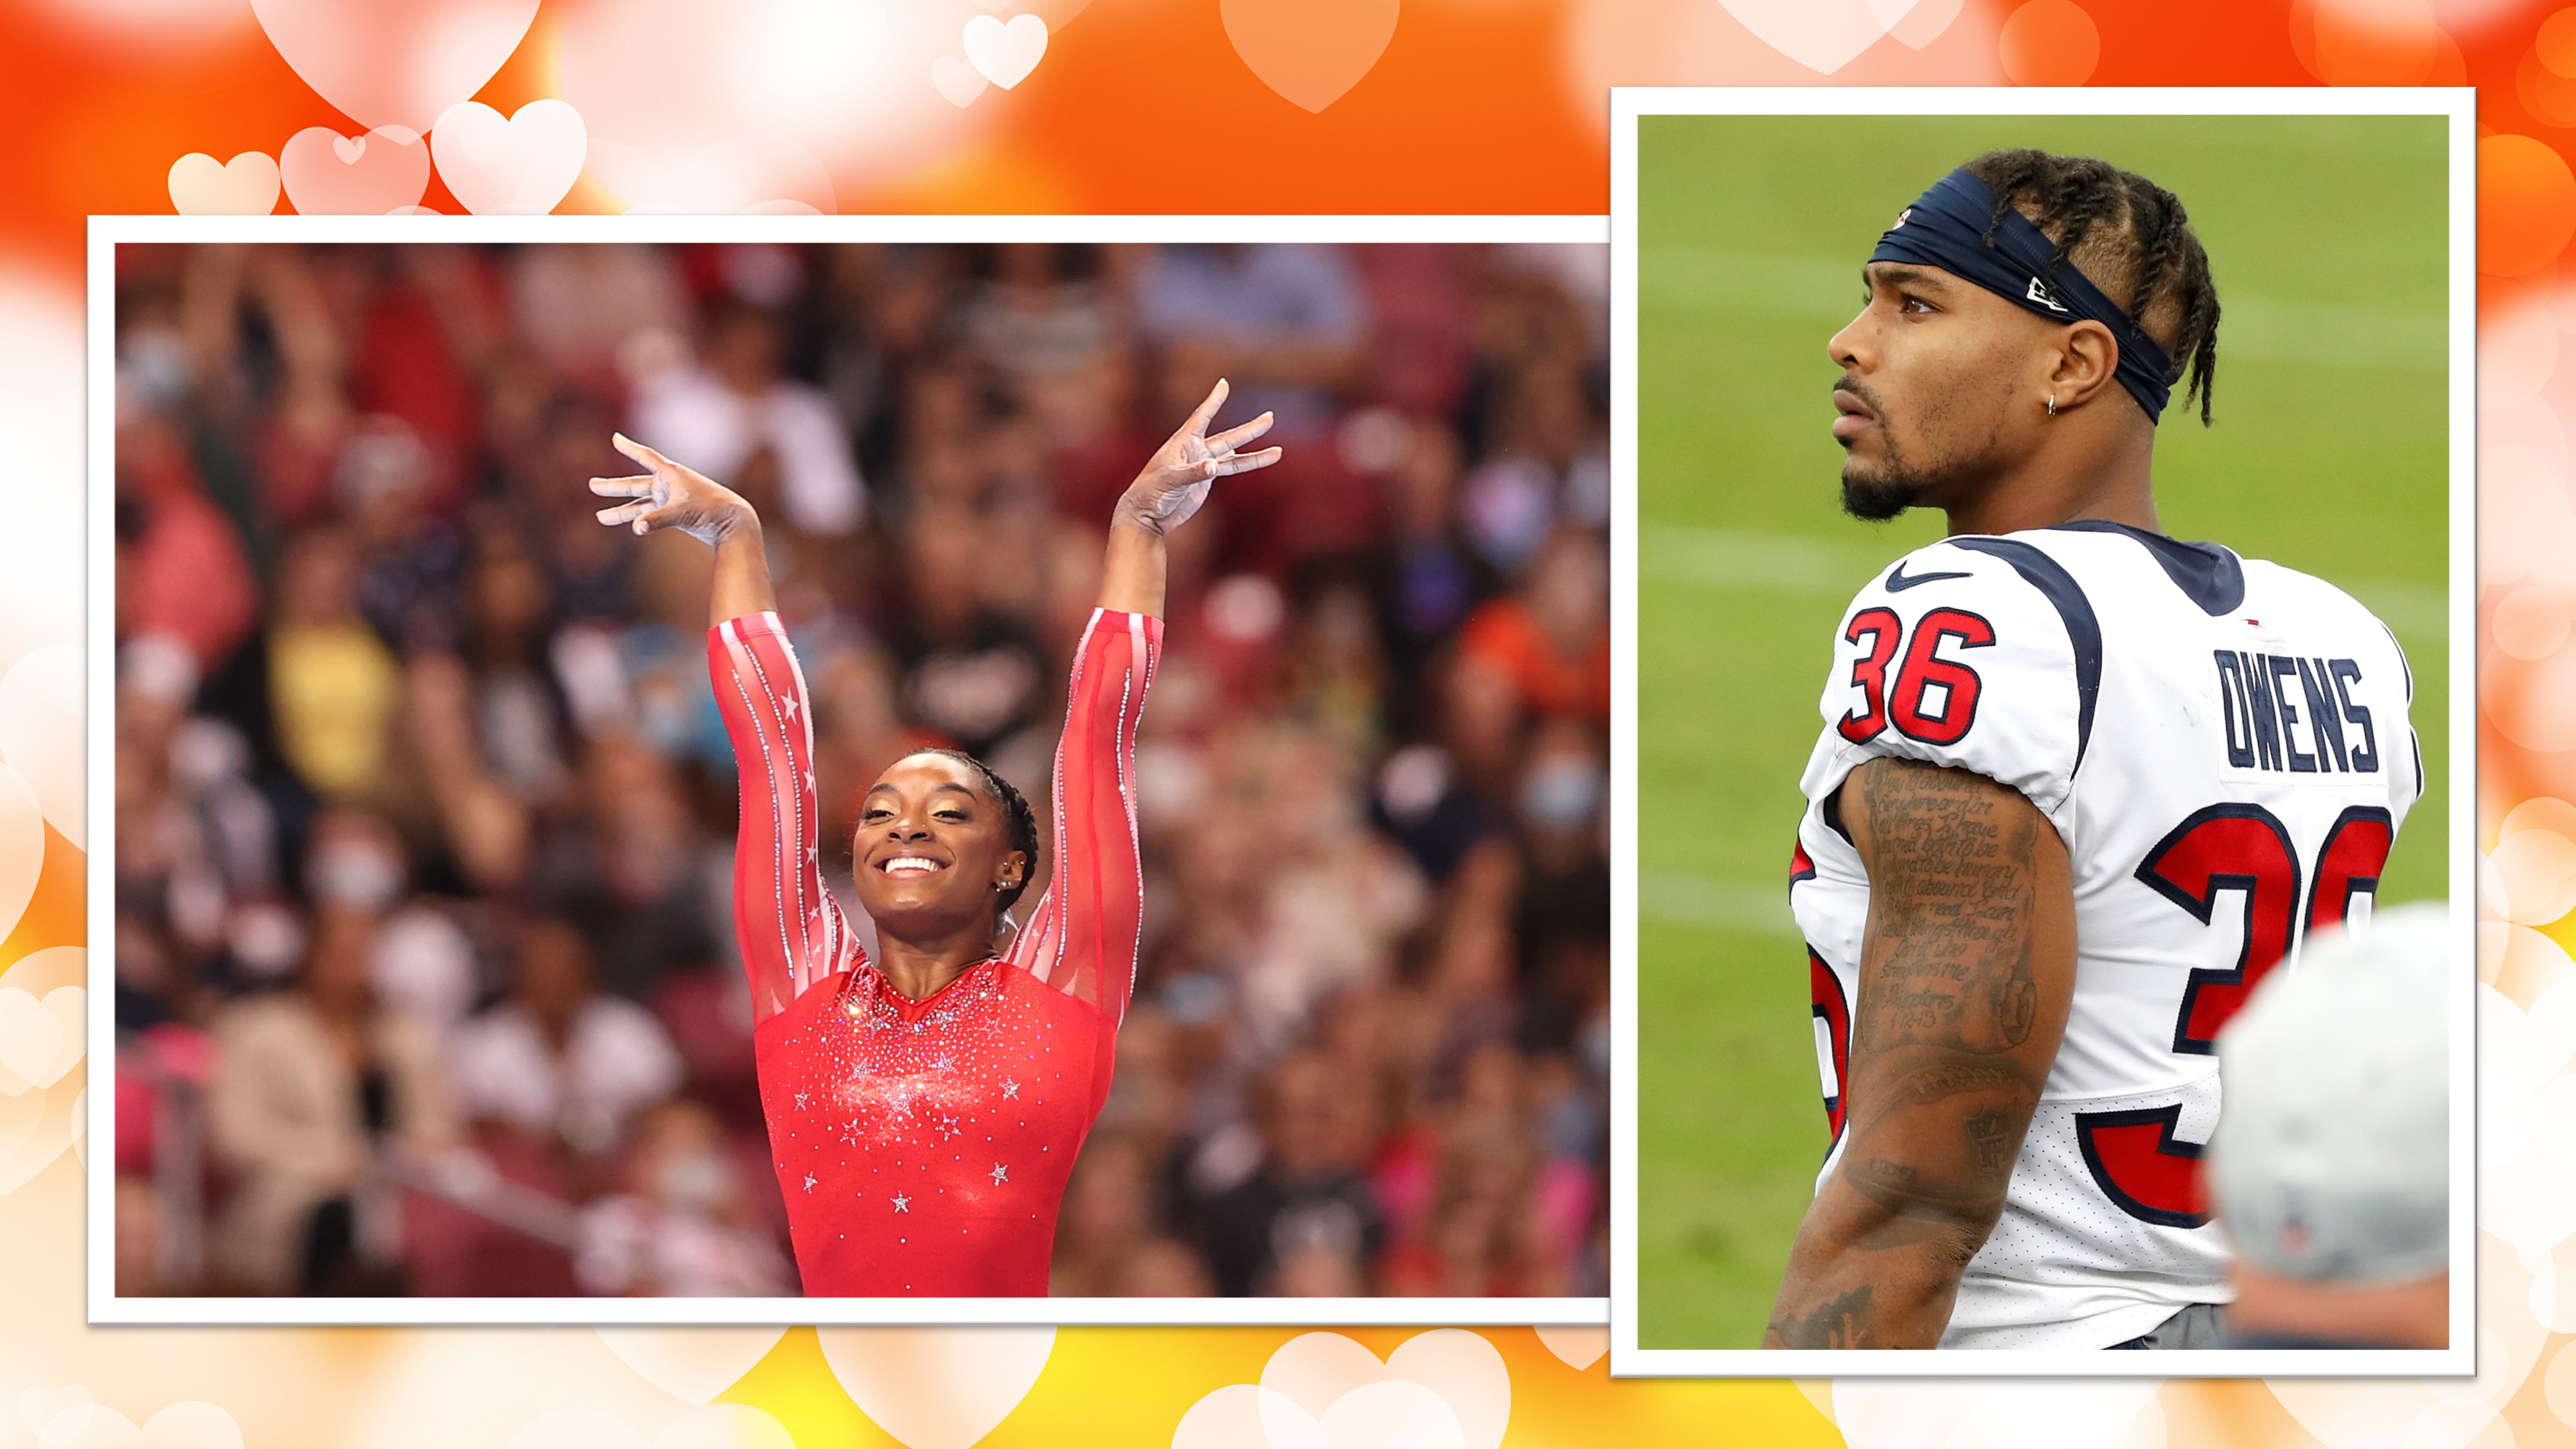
(1176, 480)
(672, 496)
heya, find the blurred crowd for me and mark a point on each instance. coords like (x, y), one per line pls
(425, 972)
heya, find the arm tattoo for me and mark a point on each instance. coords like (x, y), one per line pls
(1952, 872)
(1968, 916)
(1842, 1321)
(1992, 1140)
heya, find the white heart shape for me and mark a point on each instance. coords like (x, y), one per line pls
(1577, 1345)
(1919, 22)
(41, 1040)
(957, 82)
(725, 1426)
(1392, 1414)
(694, 1364)
(42, 1124)
(395, 62)
(380, 172)
(39, 972)
(1315, 1371)
(937, 1388)
(1005, 53)
(244, 186)
(1822, 35)
(89, 1426)
(521, 166)
(37, 1405)
(1246, 1416)
(191, 1424)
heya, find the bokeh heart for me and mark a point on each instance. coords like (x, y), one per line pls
(1310, 51)
(193, 1424)
(1319, 1372)
(1005, 53)
(957, 82)
(1578, 1345)
(519, 166)
(37, 1405)
(694, 1364)
(1822, 35)
(395, 62)
(40, 1039)
(937, 1388)
(328, 174)
(246, 185)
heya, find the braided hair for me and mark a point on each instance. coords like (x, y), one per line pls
(1023, 821)
(2128, 236)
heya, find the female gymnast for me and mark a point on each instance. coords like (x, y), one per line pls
(925, 1107)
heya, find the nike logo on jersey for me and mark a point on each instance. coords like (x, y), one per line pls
(1898, 583)
(2040, 295)
(2275, 703)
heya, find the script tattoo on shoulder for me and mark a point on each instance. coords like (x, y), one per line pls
(1951, 873)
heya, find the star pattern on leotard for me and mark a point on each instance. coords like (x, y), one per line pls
(803, 1099)
(809, 1182)
(1010, 1089)
(902, 1204)
(1000, 1174)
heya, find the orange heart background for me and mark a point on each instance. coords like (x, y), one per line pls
(1137, 106)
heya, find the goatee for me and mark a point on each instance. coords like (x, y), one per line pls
(1876, 500)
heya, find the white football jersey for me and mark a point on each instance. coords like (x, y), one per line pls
(2223, 745)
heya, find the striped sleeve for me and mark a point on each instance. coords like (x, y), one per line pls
(1082, 936)
(791, 929)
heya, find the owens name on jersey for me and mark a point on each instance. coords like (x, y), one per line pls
(2223, 746)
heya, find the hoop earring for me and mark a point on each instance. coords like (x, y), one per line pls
(2052, 405)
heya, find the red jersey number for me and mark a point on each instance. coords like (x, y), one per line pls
(1909, 701)
(2134, 1156)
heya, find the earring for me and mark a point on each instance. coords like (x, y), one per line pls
(2052, 405)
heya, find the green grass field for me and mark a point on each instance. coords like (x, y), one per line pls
(2327, 239)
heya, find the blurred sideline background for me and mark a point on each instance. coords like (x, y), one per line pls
(2327, 239)
(425, 815)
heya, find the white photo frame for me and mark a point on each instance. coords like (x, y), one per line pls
(106, 233)
(1628, 1357)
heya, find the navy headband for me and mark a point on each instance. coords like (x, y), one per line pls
(1948, 228)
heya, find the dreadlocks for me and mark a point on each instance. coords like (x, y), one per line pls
(2142, 255)
(1023, 820)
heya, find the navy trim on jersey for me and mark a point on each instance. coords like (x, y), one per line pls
(2208, 574)
(2083, 630)
(1831, 812)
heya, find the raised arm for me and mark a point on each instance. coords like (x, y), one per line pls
(669, 495)
(790, 928)
(1967, 974)
(1173, 485)
(1082, 936)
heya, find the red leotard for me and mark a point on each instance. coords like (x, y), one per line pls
(924, 1145)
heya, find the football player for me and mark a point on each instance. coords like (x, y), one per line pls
(2080, 786)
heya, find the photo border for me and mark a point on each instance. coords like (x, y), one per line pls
(105, 1306)
(2459, 106)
